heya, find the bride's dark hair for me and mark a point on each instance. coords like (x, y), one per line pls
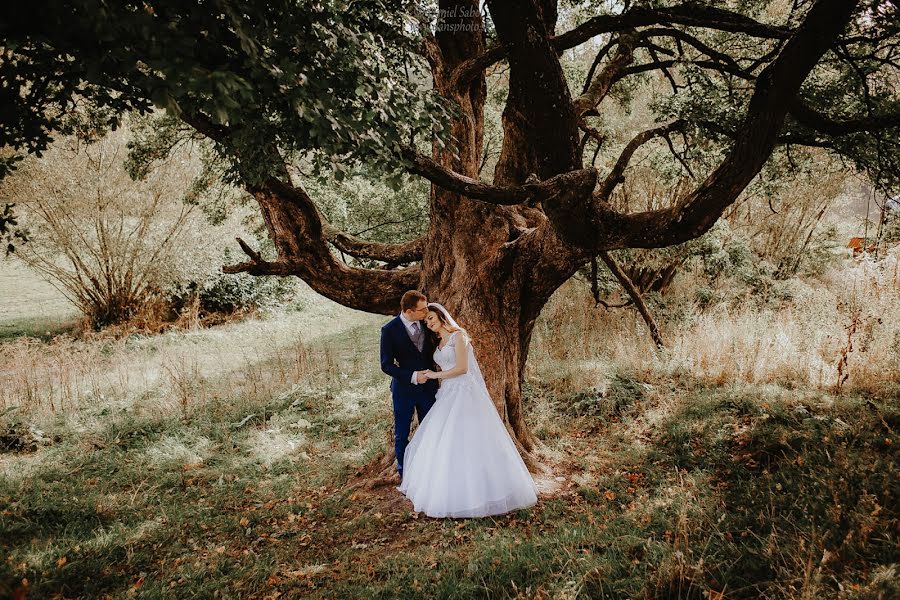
(440, 315)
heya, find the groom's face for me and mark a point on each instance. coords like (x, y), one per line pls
(419, 312)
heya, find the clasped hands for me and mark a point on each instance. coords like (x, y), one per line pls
(423, 376)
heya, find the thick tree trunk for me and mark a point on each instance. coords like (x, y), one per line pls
(468, 265)
(500, 341)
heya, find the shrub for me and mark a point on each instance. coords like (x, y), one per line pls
(109, 243)
(619, 395)
(144, 251)
(229, 294)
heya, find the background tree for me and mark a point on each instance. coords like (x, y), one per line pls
(110, 244)
(125, 249)
(338, 84)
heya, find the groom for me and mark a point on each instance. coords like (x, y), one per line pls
(406, 352)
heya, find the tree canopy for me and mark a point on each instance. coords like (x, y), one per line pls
(330, 77)
(348, 81)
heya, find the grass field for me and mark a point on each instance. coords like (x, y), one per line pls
(30, 305)
(221, 463)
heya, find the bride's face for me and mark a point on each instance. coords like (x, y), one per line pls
(432, 321)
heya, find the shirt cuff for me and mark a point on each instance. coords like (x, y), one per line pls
(414, 378)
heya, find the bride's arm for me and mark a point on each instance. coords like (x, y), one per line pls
(462, 362)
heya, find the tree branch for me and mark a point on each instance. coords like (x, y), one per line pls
(635, 296)
(693, 41)
(599, 86)
(809, 117)
(530, 193)
(690, 14)
(775, 90)
(616, 174)
(301, 237)
(704, 64)
(392, 253)
(299, 233)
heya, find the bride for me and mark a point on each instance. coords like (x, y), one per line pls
(461, 461)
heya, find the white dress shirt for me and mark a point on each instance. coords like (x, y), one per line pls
(409, 329)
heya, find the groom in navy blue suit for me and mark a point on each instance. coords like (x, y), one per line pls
(406, 351)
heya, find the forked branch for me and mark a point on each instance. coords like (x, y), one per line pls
(635, 296)
(301, 240)
(774, 92)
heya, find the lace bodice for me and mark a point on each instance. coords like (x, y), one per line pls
(446, 357)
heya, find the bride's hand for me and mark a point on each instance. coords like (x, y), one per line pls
(429, 374)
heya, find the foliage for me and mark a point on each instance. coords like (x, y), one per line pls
(156, 137)
(846, 82)
(366, 206)
(10, 232)
(327, 76)
(228, 294)
(611, 402)
(783, 226)
(891, 228)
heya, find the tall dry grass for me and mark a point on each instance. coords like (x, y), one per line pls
(175, 372)
(840, 331)
(806, 342)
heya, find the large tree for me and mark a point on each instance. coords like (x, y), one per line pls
(403, 87)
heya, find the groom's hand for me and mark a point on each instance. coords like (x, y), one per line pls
(421, 377)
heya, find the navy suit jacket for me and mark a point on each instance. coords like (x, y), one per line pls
(400, 359)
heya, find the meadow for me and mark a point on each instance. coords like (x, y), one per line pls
(755, 457)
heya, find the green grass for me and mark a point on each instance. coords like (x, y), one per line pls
(674, 488)
(43, 328)
(754, 491)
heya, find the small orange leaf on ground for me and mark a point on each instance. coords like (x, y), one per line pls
(609, 495)
(244, 522)
(61, 562)
(714, 595)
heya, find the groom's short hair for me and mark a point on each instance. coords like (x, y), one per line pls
(411, 299)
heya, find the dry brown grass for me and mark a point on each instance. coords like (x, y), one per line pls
(801, 343)
(174, 372)
(575, 347)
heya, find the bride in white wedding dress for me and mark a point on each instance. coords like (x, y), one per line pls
(461, 461)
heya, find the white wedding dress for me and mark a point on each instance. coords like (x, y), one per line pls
(461, 461)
